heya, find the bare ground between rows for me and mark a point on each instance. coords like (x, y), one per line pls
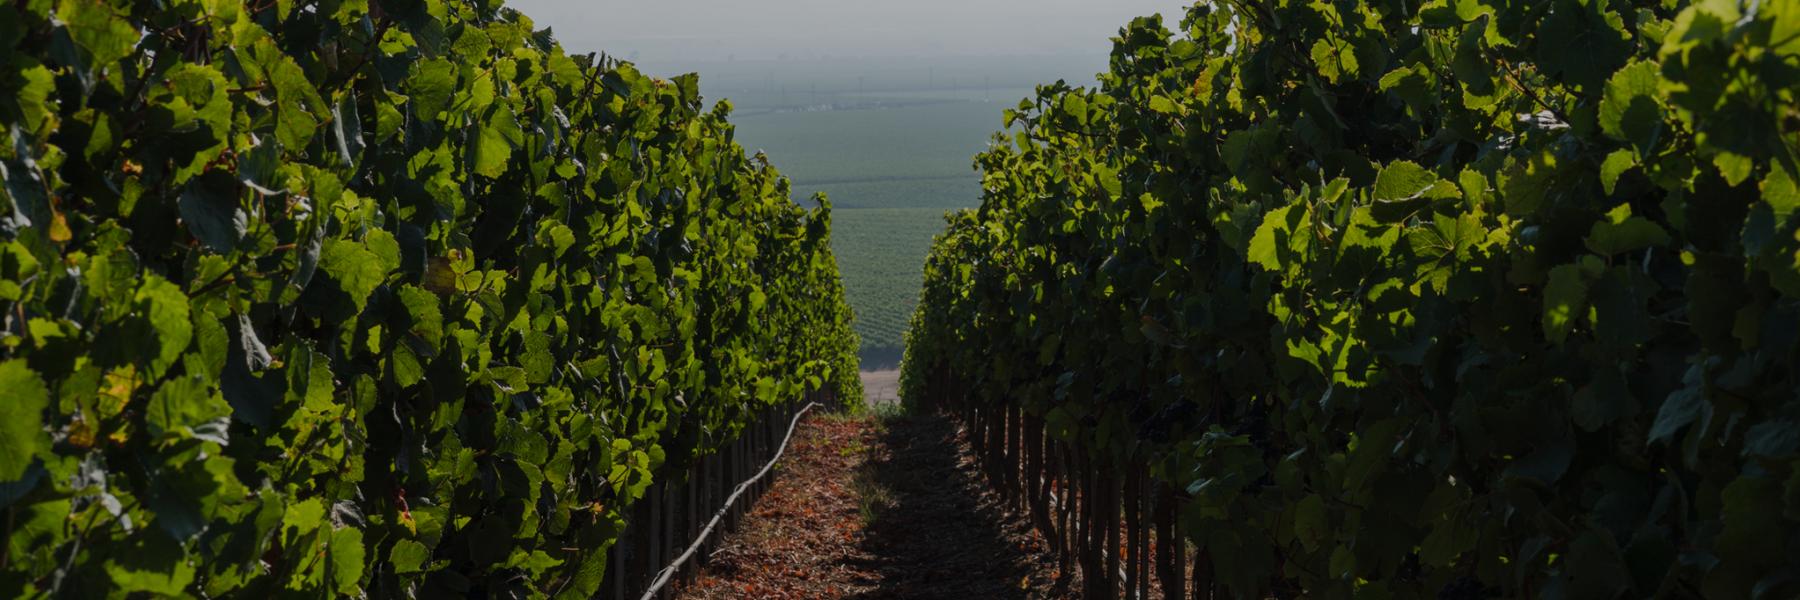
(880, 508)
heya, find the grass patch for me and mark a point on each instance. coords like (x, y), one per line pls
(888, 411)
(872, 497)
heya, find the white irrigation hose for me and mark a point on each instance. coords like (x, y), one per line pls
(668, 572)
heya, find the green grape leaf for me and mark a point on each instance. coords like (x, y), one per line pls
(1780, 192)
(1621, 232)
(1272, 236)
(184, 493)
(357, 270)
(557, 236)
(1335, 61)
(1617, 164)
(385, 247)
(207, 91)
(1735, 168)
(408, 557)
(164, 308)
(1750, 533)
(1565, 301)
(480, 95)
(1583, 42)
(112, 277)
(1681, 407)
(1416, 85)
(1164, 105)
(407, 363)
(493, 151)
(1700, 23)
(212, 346)
(213, 216)
(1075, 107)
(1446, 243)
(22, 433)
(1527, 185)
(33, 98)
(151, 564)
(1632, 110)
(1311, 524)
(182, 405)
(303, 517)
(346, 130)
(1473, 70)
(1447, 541)
(1784, 33)
(94, 27)
(422, 309)
(536, 562)
(347, 558)
(538, 362)
(1403, 180)
(251, 391)
(297, 100)
(430, 86)
(472, 44)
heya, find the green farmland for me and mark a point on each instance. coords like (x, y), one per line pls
(924, 142)
(892, 167)
(880, 251)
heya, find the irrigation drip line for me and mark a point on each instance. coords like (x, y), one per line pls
(668, 573)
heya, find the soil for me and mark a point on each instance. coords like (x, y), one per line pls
(880, 508)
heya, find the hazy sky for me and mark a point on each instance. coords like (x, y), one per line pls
(683, 31)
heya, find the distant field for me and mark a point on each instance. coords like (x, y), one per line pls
(892, 159)
(891, 174)
(944, 193)
(913, 142)
(760, 86)
(880, 252)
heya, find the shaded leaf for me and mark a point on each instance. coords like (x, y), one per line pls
(22, 433)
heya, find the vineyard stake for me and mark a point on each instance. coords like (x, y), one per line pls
(668, 572)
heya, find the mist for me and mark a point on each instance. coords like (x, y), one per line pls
(683, 32)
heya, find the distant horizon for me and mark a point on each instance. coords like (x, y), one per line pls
(682, 32)
(920, 58)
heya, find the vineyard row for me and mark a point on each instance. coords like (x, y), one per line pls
(378, 299)
(1453, 299)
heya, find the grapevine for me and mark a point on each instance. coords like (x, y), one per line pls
(382, 298)
(1461, 298)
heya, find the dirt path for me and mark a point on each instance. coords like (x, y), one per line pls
(891, 508)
